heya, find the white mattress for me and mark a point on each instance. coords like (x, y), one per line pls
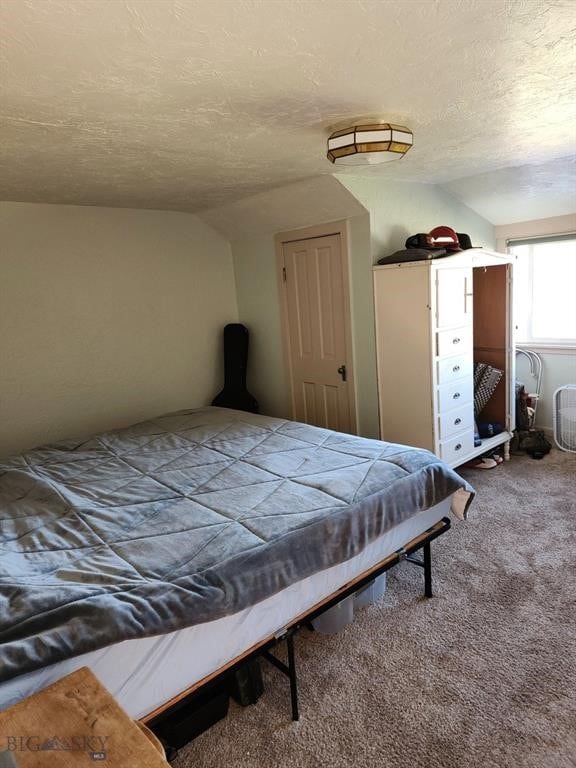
(143, 674)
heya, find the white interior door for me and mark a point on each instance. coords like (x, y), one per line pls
(317, 325)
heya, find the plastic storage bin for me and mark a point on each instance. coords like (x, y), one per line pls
(335, 618)
(372, 592)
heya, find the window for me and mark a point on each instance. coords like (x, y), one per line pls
(545, 290)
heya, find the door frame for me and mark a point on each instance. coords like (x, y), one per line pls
(291, 236)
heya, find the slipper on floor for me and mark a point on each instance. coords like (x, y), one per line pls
(484, 463)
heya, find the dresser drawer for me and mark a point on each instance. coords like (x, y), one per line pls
(459, 446)
(457, 341)
(455, 395)
(451, 368)
(458, 420)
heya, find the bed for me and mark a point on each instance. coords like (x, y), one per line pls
(160, 553)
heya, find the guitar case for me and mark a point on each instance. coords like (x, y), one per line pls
(235, 395)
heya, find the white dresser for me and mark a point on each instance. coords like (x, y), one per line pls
(434, 319)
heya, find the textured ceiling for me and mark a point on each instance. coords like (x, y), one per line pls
(188, 104)
(284, 209)
(520, 194)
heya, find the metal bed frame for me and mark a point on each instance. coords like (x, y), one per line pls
(288, 633)
(403, 554)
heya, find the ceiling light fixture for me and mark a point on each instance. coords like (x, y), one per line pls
(369, 144)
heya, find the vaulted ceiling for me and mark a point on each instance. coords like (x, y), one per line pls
(188, 104)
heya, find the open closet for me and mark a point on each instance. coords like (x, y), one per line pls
(437, 323)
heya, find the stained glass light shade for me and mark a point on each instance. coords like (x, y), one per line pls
(369, 144)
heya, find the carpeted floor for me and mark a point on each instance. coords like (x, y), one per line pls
(481, 676)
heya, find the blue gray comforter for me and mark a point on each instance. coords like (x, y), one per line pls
(184, 519)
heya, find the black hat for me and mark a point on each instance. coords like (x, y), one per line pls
(465, 242)
(421, 240)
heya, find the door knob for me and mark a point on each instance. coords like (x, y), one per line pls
(342, 372)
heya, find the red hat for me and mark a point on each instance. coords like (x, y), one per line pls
(445, 237)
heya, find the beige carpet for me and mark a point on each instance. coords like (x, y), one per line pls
(482, 675)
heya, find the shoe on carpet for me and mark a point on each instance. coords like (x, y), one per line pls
(485, 462)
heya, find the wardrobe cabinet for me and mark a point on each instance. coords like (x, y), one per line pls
(434, 320)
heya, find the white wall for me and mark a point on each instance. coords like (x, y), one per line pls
(556, 225)
(558, 369)
(558, 366)
(251, 224)
(259, 310)
(380, 214)
(107, 316)
(397, 210)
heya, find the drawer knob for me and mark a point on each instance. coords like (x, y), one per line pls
(457, 421)
(457, 447)
(456, 368)
(456, 395)
(456, 340)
